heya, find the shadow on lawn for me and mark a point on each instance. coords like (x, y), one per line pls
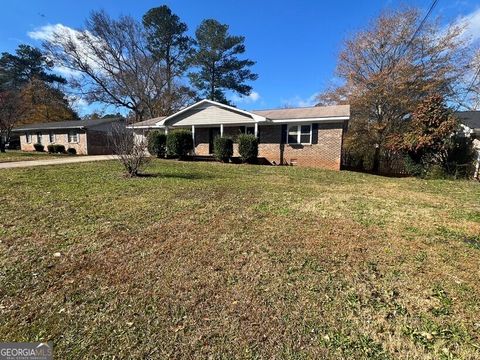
(186, 176)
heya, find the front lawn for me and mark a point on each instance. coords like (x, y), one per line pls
(18, 155)
(204, 260)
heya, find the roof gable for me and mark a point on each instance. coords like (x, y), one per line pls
(207, 112)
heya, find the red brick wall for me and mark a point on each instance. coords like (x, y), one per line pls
(61, 138)
(324, 152)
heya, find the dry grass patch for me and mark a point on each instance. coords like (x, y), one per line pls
(206, 260)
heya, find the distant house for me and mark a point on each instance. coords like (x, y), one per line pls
(87, 137)
(471, 121)
(310, 136)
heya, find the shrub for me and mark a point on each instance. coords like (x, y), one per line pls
(71, 151)
(39, 147)
(179, 143)
(248, 148)
(223, 148)
(60, 149)
(156, 143)
(51, 148)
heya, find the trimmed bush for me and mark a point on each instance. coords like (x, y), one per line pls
(39, 147)
(248, 148)
(56, 149)
(223, 148)
(157, 143)
(179, 143)
(71, 151)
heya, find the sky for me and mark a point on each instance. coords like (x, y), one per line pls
(295, 43)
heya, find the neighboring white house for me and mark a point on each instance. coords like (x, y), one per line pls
(471, 122)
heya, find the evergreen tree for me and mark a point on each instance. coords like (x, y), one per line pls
(219, 68)
(28, 63)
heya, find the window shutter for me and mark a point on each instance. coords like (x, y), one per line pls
(283, 140)
(314, 133)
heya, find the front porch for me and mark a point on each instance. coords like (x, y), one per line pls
(204, 136)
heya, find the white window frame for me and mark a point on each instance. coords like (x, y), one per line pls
(28, 137)
(39, 137)
(51, 137)
(72, 133)
(299, 134)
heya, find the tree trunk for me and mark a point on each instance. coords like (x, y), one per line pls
(376, 160)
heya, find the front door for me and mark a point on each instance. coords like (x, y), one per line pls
(213, 133)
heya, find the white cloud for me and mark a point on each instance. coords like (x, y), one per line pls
(253, 97)
(471, 22)
(298, 101)
(47, 32)
(65, 33)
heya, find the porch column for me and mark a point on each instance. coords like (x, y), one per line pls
(193, 138)
(166, 130)
(256, 129)
(221, 130)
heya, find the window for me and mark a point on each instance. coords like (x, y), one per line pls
(39, 138)
(51, 137)
(28, 137)
(299, 134)
(250, 130)
(72, 136)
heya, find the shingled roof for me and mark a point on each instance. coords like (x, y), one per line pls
(69, 124)
(469, 118)
(305, 112)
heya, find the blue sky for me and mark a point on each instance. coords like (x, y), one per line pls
(295, 43)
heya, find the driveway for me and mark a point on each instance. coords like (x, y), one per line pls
(68, 160)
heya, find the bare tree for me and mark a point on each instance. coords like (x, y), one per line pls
(11, 111)
(389, 68)
(111, 64)
(132, 153)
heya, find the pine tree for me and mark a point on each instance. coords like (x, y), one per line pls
(219, 68)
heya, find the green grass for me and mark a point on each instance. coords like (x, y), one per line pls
(204, 260)
(17, 155)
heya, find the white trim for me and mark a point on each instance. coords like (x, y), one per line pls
(299, 134)
(332, 118)
(145, 127)
(193, 138)
(255, 117)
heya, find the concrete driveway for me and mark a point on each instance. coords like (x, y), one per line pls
(66, 160)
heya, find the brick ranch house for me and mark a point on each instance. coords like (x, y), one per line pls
(310, 136)
(87, 137)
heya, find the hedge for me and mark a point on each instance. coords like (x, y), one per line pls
(71, 151)
(39, 147)
(248, 148)
(156, 143)
(56, 148)
(223, 148)
(179, 143)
